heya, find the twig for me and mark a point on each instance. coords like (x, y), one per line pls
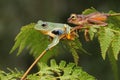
(28, 70)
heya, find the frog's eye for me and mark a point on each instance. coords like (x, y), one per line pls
(73, 16)
(44, 25)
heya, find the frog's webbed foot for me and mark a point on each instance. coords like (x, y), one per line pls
(54, 42)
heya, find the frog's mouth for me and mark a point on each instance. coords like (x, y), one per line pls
(44, 31)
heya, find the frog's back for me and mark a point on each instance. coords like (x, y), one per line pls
(55, 25)
(41, 25)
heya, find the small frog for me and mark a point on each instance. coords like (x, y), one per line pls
(95, 18)
(54, 30)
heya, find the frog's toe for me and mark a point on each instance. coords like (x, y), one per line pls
(68, 36)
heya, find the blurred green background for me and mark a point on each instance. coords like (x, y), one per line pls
(16, 13)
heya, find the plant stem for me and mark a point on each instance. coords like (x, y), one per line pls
(32, 65)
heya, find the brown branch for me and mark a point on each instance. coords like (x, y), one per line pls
(28, 70)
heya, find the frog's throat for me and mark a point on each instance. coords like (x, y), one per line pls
(47, 33)
(44, 31)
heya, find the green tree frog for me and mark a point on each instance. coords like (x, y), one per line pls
(54, 30)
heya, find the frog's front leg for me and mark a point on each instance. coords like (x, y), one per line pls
(67, 31)
(54, 42)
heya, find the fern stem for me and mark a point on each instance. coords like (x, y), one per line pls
(113, 63)
(115, 14)
(114, 31)
(28, 70)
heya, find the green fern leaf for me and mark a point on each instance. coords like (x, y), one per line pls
(88, 11)
(11, 75)
(105, 37)
(62, 71)
(74, 46)
(21, 38)
(92, 31)
(34, 77)
(33, 40)
(114, 20)
(113, 63)
(62, 64)
(116, 46)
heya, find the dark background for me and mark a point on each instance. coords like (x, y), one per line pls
(16, 13)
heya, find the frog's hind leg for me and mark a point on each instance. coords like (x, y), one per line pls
(54, 42)
(86, 35)
(98, 22)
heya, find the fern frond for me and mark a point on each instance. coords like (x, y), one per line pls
(21, 38)
(114, 20)
(62, 71)
(92, 31)
(116, 46)
(105, 37)
(11, 75)
(113, 63)
(74, 47)
(29, 38)
(89, 10)
(109, 37)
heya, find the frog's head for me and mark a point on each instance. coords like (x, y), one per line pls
(42, 26)
(75, 19)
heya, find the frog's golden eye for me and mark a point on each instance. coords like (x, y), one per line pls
(44, 25)
(73, 16)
